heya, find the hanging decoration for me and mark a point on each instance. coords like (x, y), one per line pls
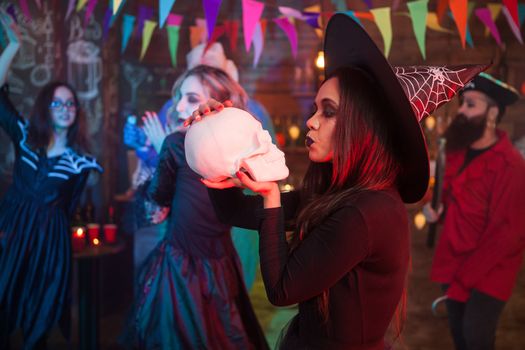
(383, 21)
(251, 14)
(147, 32)
(418, 12)
(164, 11)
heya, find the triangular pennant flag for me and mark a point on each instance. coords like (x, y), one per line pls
(197, 33)
(312, 19)
(118, 11)
(117, 5)
(441, 9)
(105, 23)
(149, 26)
(173, 42)
(217, 33)
(468, 36)
(145, 13)
(70, 8)
(251, 14)
(433, 23)
(25, 9)
(513, 26)
(89, 11)
(258, 44)
(368, 3)
(232, 32)
(164, 11)
(459, 12)
(418, 12)
(174, 19)
(521, 13)
(211, 11)
(80, 5)
(512, 8)
(290, 12)
(128, 22)
(365, 15)
(289, 30)
(485, 16)
(495, 10)
(382, 18)
(353, 16)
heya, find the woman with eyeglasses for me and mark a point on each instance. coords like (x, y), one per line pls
(49, 175)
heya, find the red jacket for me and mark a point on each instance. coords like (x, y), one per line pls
(483, 238)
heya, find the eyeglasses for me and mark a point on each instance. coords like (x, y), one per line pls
(58, 105)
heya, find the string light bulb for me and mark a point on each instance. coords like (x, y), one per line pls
(319, 61)
(419, 220)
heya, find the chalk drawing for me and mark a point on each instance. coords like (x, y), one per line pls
(134, 75)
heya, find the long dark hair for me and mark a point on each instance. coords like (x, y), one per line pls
(41, 127)
(363, 156)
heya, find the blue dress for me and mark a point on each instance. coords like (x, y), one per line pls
(35, 240)
(190, 291)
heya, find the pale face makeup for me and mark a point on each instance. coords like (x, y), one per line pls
(192, 95)
(63, 109)
(321, 124)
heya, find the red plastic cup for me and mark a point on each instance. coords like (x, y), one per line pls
(110, 233)
(93, 231)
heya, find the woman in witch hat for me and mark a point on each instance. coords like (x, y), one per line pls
(347, 262)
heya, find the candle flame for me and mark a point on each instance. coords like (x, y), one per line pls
(79, 232)
(96, 241)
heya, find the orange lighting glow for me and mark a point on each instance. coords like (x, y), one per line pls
(96, 241)
(79, 232)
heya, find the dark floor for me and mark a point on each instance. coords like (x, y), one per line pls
(423, 331)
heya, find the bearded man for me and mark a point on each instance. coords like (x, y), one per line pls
(481, 247)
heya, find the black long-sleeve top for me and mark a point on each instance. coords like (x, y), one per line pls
(359, 253)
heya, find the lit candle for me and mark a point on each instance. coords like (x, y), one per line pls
(78, 239)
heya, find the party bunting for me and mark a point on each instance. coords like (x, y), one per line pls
(485, 16)
(251, 14)
(495, 10)
(128, 21)
(115, 15)
(149, 26)
(173, 42)
(513, 26)
(117, 4)
(232, 32)
(441, 9)
(512, 8)
(25, 9)
(164, 10)
(521, 13)
(289, 29)
(353, 16)
(290, 12)
(89, 11)
(382, 18)
(211, 11)
(197, 35)
(174, 19)
(258, 44)
(81, 4)
(459, 12)
(145, 13)
(418, 12)
(218, 31)
(312, 19)
(433, 23)
(106, 22)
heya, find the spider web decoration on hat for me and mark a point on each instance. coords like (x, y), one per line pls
(428, 87)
